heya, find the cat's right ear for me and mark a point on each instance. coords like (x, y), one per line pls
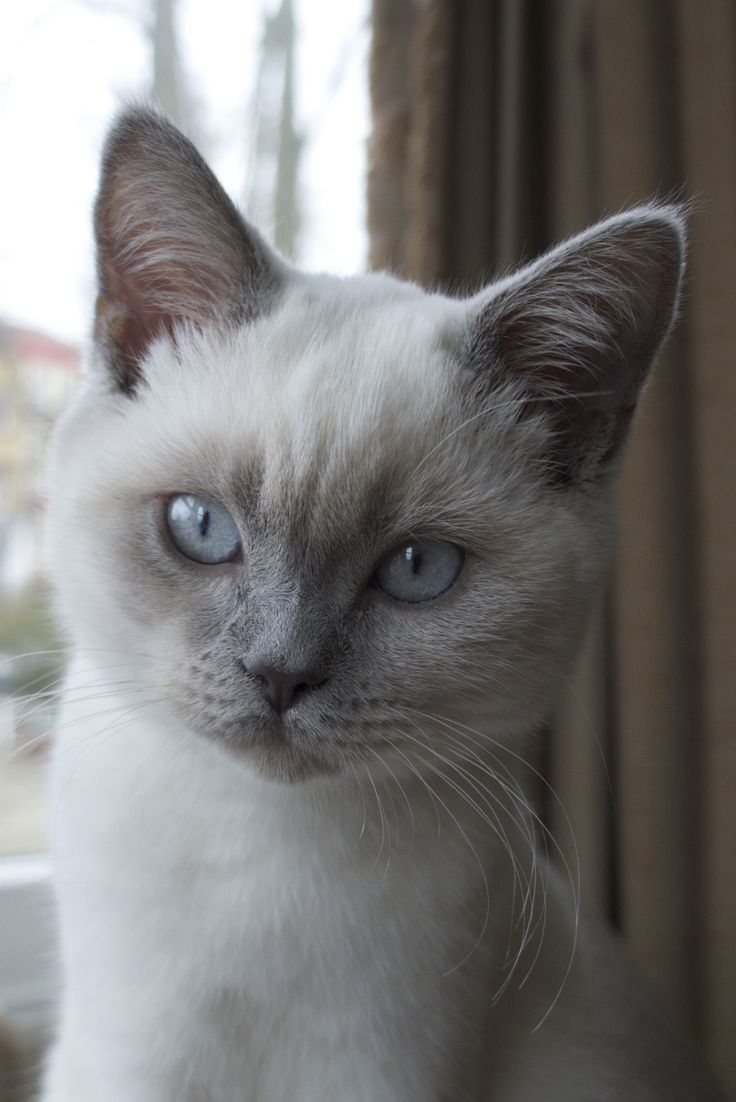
(171, 246)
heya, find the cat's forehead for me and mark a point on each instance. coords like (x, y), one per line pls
(337, 374)
(350, 341)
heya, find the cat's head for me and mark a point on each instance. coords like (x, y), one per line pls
(321, 521)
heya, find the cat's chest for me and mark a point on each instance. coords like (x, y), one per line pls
(237, 885)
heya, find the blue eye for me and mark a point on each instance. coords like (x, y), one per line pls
(420, 570)
(202, 530)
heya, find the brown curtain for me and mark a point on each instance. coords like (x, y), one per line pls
(501, 126)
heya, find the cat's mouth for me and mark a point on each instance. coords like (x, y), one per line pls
(277, 749)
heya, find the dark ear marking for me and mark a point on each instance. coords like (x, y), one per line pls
(171, 245)
(576, 333)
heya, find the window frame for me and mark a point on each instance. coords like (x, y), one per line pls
(28, 943)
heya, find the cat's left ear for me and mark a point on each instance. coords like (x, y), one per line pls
(171, 246)
(576, 332)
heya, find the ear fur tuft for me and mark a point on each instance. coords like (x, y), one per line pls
(171, 245)
(579, 328)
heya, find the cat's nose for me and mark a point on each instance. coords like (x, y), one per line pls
(282, 688)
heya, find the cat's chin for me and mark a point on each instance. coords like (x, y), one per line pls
(287, 766)
(274, 757)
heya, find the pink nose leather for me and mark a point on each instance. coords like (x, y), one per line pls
(282, 688)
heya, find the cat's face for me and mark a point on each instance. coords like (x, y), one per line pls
(326, 522)
(331, 455)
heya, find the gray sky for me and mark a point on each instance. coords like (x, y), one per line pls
(64, 67)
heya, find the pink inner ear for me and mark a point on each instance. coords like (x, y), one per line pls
(135, 334)
(148, 261)
(130, 314)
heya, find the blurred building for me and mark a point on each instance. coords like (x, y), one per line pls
(37, 375)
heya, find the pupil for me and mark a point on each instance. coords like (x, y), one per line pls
(204, 521)
(414, 558)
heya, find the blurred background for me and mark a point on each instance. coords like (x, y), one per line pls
(446, 140)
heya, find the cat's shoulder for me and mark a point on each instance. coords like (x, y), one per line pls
(587, 1026)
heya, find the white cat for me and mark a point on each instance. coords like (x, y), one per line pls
(324, 549)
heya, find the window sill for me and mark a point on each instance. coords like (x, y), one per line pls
(28, 974)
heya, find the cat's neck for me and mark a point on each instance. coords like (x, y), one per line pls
(377, 811)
